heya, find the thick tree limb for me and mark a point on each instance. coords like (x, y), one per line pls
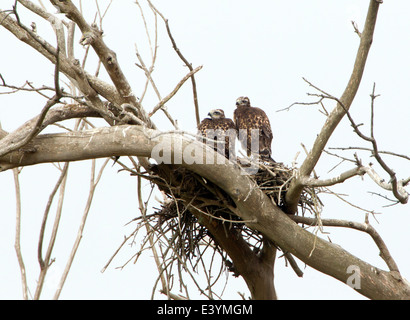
(251, 202)
(19, 137)
(93, 36)
(67, 66)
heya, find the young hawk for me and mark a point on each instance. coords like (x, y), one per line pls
(219, 128)
(247, 118)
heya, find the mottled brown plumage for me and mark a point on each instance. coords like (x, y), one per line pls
(247, 118)
(217, 127)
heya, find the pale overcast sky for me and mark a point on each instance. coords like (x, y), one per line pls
(260, 49)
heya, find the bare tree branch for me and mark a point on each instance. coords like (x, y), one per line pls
(6, 148)
(45, 263)
(93, 36)
(365, 227)
(398, 186)
(251, 202)
(173, 92)
(17, 244)
(189, 65)
(394, 185)
(67, 66)
(240, 195)
(313, 182)
(338, 113)
(371, 150)
(37, 124)
(93, 184)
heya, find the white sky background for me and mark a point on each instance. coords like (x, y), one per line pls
(260, 49)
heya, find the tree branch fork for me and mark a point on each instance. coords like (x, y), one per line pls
(24, 147)
(252, 203)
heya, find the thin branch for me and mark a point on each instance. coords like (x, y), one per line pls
(40, 259)
(116, 252)
(17, 245)
(371, 150)
(395, 185)
(365, 227)
(356, 29)
(45, 263)
(143, 210)
(148, 72)
(313, 182)
(67, 66)
(181, 56)
(93, 184)
(173, 92)
(7, 148)
(189, 65)
(296, 188)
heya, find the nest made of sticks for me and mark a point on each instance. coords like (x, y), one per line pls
(185, 190)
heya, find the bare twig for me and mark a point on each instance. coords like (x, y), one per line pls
(189, 65)
(338, 112)
(45, 262)
(371, 150)
(17, 245)
(365, 227)
(181, 56)
(7, 148)
(340, 197)
(143, 210)
(93, 184)
(313, 182)
(173, 92)
(395, 186)
(356, 28)
(93, 36)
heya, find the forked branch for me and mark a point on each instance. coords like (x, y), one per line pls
(339, 112)
(365, 227)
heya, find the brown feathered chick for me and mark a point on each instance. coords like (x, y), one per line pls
(246, 119)
(217, 127)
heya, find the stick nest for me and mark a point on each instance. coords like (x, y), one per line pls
(188, 193)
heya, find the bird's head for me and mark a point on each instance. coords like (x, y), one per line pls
(243, 101)
(216, 114)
